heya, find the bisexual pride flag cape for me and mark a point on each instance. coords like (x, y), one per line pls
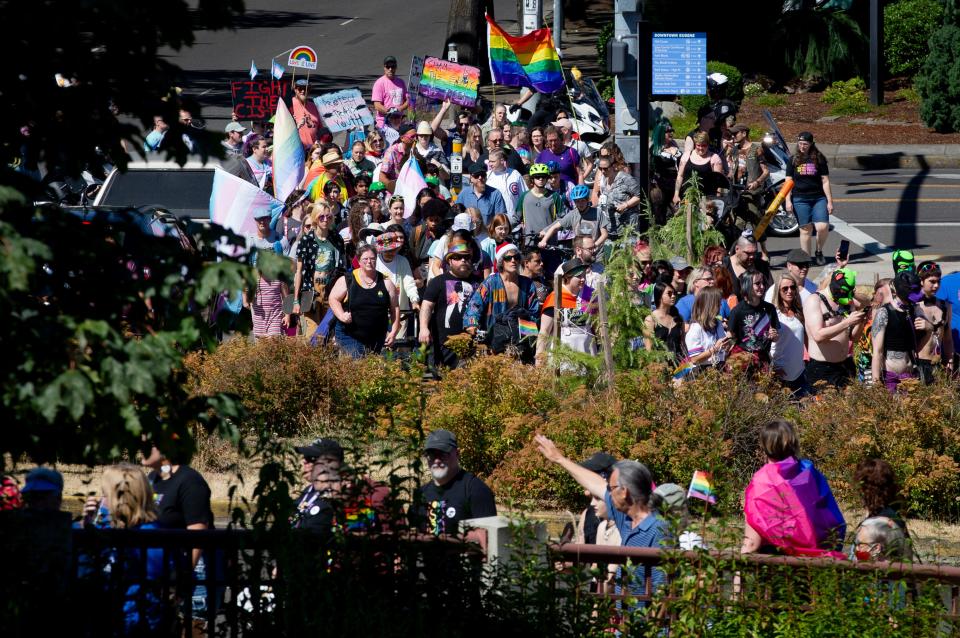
(791, 506)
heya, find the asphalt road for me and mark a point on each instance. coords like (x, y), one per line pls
(879, 211)
(351, 38)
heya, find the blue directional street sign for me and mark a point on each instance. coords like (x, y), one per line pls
(679, 64)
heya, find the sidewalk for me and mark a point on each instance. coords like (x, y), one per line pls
(877, 156)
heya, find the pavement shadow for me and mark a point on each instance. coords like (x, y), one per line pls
(280, 19)
(905, 233)
(880, 160)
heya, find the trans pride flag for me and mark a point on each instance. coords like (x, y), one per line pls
(410, 181)
(288, 159)
(233, 202)
(791, 506)
(529, 60)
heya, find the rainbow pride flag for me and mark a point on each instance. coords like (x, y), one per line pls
(527, 328)
(686, 367)
(529, 60)
(701, 486)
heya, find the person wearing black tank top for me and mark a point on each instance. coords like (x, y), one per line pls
(365, 305)
(894, 339)
(702, 161)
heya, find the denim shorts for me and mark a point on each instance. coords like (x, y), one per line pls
(810, 211)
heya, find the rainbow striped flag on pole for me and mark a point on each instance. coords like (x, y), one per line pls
(529, 60)
(701, 486)
(527, 328)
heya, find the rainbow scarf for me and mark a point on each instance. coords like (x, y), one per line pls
(530, 60)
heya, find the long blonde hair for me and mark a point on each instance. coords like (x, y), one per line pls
(706, 307)
(129, 496)
(796, 307)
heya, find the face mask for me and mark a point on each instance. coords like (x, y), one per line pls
(907, 287)
(842, 284)
(862, 555)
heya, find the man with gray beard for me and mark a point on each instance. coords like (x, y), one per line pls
(454, 494)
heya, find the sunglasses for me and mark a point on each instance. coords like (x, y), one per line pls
(324, 218)
(307, 226)
(510, 258)
(390, 66)
(788, 288)
(459, 257)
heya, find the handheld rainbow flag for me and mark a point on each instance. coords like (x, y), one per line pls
(530, 60)
(702, 487)
(686, 367)
(527, 328)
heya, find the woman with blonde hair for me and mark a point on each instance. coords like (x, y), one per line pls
(473, 146)
(375, 145)
(786, 353)
(706, 340)
(127, 503)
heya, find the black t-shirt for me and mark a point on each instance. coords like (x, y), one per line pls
(807, 176)
(441, 508)
(317, 517)
(449, 296)
(183, 499)
(749, 326)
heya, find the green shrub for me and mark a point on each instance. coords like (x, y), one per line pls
(693, 103)
(770, 100)
(847, 97)
(734, 78)
(753, 90)
(907, 27)
(939, 79)
(605, 81)
(908, 95)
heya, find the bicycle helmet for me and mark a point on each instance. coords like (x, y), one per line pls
(539, 169)
(553, 167)
(579, 192)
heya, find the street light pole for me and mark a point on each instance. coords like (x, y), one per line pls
(876, 52)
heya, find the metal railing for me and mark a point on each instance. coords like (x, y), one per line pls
(730, 580)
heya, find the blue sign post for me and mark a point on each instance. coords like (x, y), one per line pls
(679, 63)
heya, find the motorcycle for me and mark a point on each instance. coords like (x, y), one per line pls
(776, 155)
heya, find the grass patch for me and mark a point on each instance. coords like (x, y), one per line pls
(908, 94)
(769, 100)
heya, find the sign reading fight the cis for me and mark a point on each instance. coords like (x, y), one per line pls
(257, 99)
(303, 57)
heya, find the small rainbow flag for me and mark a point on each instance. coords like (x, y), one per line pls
(686, 367)
(527, 328)
(701, 486)
(530, 60)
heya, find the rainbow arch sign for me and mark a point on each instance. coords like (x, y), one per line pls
(303, 57)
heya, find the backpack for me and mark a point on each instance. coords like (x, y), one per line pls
(505, 333)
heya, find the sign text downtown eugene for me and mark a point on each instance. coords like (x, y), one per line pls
(657, 36)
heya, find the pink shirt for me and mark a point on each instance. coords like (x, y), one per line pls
(389, 92)
(309, 131)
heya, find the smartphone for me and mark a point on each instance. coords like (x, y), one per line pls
(844, 249)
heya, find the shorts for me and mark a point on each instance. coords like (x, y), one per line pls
(836, 374)
(810, 211)
(892, 379)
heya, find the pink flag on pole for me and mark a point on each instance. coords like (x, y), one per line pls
(410, 181)
(233, 201)
(288, 159)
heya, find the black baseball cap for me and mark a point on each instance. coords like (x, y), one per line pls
(329, 448)
(600, 462)
(442, 440)
(389, 60)
(805, 136)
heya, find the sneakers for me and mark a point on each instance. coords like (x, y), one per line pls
(818, 257)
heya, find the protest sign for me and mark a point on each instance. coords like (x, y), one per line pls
(257, 99)
(303, 57)
(343, 110)
(416, 70)
(443, 80)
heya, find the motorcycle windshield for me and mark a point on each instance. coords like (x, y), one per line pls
(592, 97)
(777, 134)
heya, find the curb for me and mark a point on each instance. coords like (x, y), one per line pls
(880, 156)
